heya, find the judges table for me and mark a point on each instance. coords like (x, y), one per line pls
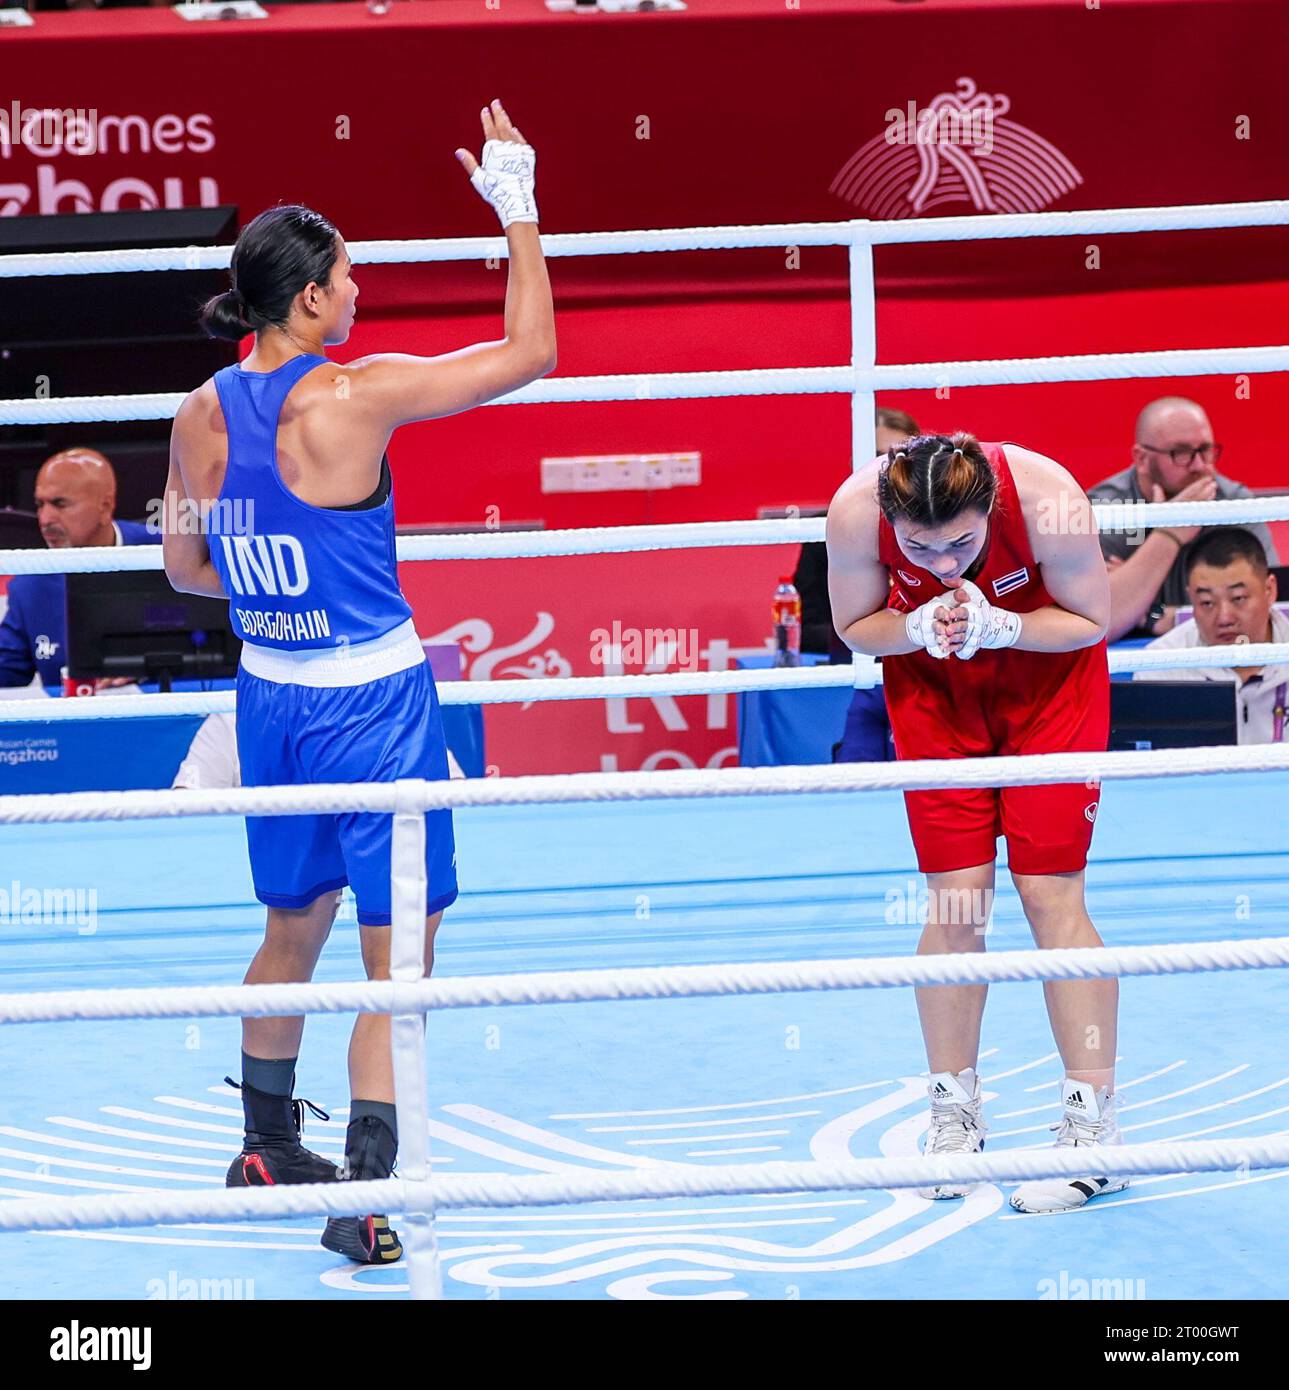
(786, 727)
(130, 754)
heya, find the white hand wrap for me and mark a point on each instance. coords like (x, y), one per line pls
(920, 625)
(988, 628)
(506, 179)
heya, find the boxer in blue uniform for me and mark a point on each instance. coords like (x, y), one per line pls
(280, 499)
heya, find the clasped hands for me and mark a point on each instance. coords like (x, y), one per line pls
(961, 622)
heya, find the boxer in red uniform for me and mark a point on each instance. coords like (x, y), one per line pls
(974, 571)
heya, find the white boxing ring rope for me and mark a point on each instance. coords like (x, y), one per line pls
(863, 674)
(415, 797)
(987, 227)
(662, 1179)
(754, 381)
(641, 982)
(407, 996)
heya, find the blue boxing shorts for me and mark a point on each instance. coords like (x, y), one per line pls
(292, 735)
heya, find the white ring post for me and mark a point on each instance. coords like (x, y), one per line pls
(407, 1031)
(863, 344)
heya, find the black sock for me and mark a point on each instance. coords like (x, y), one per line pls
(382, 1109)
(273, 1076)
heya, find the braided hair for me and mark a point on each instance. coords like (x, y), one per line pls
(930, 479)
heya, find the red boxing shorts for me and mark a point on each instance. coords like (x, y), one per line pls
(992, 710)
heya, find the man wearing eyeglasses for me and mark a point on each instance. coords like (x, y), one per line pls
(1174, 459)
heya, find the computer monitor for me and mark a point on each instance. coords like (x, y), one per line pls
(1172, 714)
(133, 624)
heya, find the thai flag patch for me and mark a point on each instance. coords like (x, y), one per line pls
(1011, 581)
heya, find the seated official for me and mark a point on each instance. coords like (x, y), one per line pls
(75, 499)
(1234, 595)
(1174, 459)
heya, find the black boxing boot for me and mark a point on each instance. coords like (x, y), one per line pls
(370, 1150)
(272, 1152)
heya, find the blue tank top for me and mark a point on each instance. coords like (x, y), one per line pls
(298, 577)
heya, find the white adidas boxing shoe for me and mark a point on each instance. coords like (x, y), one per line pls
(957, 1126)
(1088, 1120)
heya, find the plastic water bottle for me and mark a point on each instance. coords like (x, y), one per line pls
(786, 612)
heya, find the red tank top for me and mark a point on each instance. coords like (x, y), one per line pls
(998, 699)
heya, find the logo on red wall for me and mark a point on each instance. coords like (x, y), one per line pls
(961, 147)
(487, 659)
(60, 160)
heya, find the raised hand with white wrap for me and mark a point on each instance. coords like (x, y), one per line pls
(988, 627)
(506, 179)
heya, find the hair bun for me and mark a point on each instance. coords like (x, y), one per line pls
(238, 304)
(227, 315)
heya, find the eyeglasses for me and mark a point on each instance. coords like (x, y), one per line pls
(1185, 454)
